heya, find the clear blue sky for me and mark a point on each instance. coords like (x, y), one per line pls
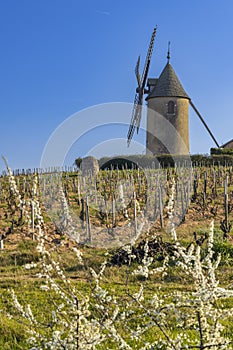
(61, 56)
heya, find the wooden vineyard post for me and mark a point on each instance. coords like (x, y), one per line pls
(22, 210)
(113, 211)
(225, 224)
(74, 184)
(182, 197)
(88, 224)
(139, 182)
(1, 241)
(214, 184)
(95, 190)
(188, 193)
(205, 188)
(226, 201)
(79, 196)
(44, 185)
(106, 208)
(135, 212)
(160, 207)
(23, 184)
(230, 176)
(33, 220)
(156, 204)
(195, 189)
(177, 189)
(82, 214)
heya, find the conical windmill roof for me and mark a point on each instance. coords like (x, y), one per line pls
(168, 85)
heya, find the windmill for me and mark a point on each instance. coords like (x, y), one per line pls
(166, 90)
(138, 100)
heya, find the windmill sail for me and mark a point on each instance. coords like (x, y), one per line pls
(148, 58)
(137, 73)
(138, 100)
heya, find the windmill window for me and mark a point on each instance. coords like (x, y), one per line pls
(171, 108)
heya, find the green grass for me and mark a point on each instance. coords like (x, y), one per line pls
(27, 288)
(20, 249)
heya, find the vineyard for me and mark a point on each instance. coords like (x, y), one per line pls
(125, 259)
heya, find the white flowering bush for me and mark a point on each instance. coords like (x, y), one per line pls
(132, 314)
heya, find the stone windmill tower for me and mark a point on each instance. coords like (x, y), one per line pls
(168, 114)
(168, 110)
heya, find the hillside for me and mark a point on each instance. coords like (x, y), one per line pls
(59, 230)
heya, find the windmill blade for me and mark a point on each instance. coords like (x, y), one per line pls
(134, 119)
(138, 101)
(203, 121)
(137, 73)
(148, 58)
(139, 115)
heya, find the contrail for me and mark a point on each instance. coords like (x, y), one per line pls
(103, 12)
